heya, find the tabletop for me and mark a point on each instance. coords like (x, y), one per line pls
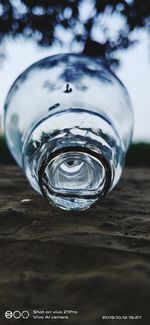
(91, 264)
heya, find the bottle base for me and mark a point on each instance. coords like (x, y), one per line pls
(73, 157)
(74, 178)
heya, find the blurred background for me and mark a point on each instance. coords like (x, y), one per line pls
(117, 31)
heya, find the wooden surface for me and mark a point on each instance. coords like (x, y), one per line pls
(96, 262)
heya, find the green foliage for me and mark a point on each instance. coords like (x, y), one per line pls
(5, 156)
(40, 20)
(138, 155)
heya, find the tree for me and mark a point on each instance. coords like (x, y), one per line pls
(44, 21)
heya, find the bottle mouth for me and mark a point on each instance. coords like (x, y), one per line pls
(74, 178)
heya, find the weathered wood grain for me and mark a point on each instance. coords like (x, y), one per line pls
(96, 262)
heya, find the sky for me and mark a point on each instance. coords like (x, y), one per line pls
(134, 72)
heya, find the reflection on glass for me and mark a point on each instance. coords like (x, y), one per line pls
(68, 124)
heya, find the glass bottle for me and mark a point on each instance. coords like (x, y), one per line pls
(68, 124)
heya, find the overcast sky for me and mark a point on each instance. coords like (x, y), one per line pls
(134, 73)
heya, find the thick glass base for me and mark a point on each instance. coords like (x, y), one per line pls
(74, 178)
(73, 157)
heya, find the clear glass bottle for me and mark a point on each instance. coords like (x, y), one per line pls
(68, 124)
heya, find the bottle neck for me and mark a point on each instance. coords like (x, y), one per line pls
(73, 158)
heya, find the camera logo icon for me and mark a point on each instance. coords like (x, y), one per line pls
(17, 314)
